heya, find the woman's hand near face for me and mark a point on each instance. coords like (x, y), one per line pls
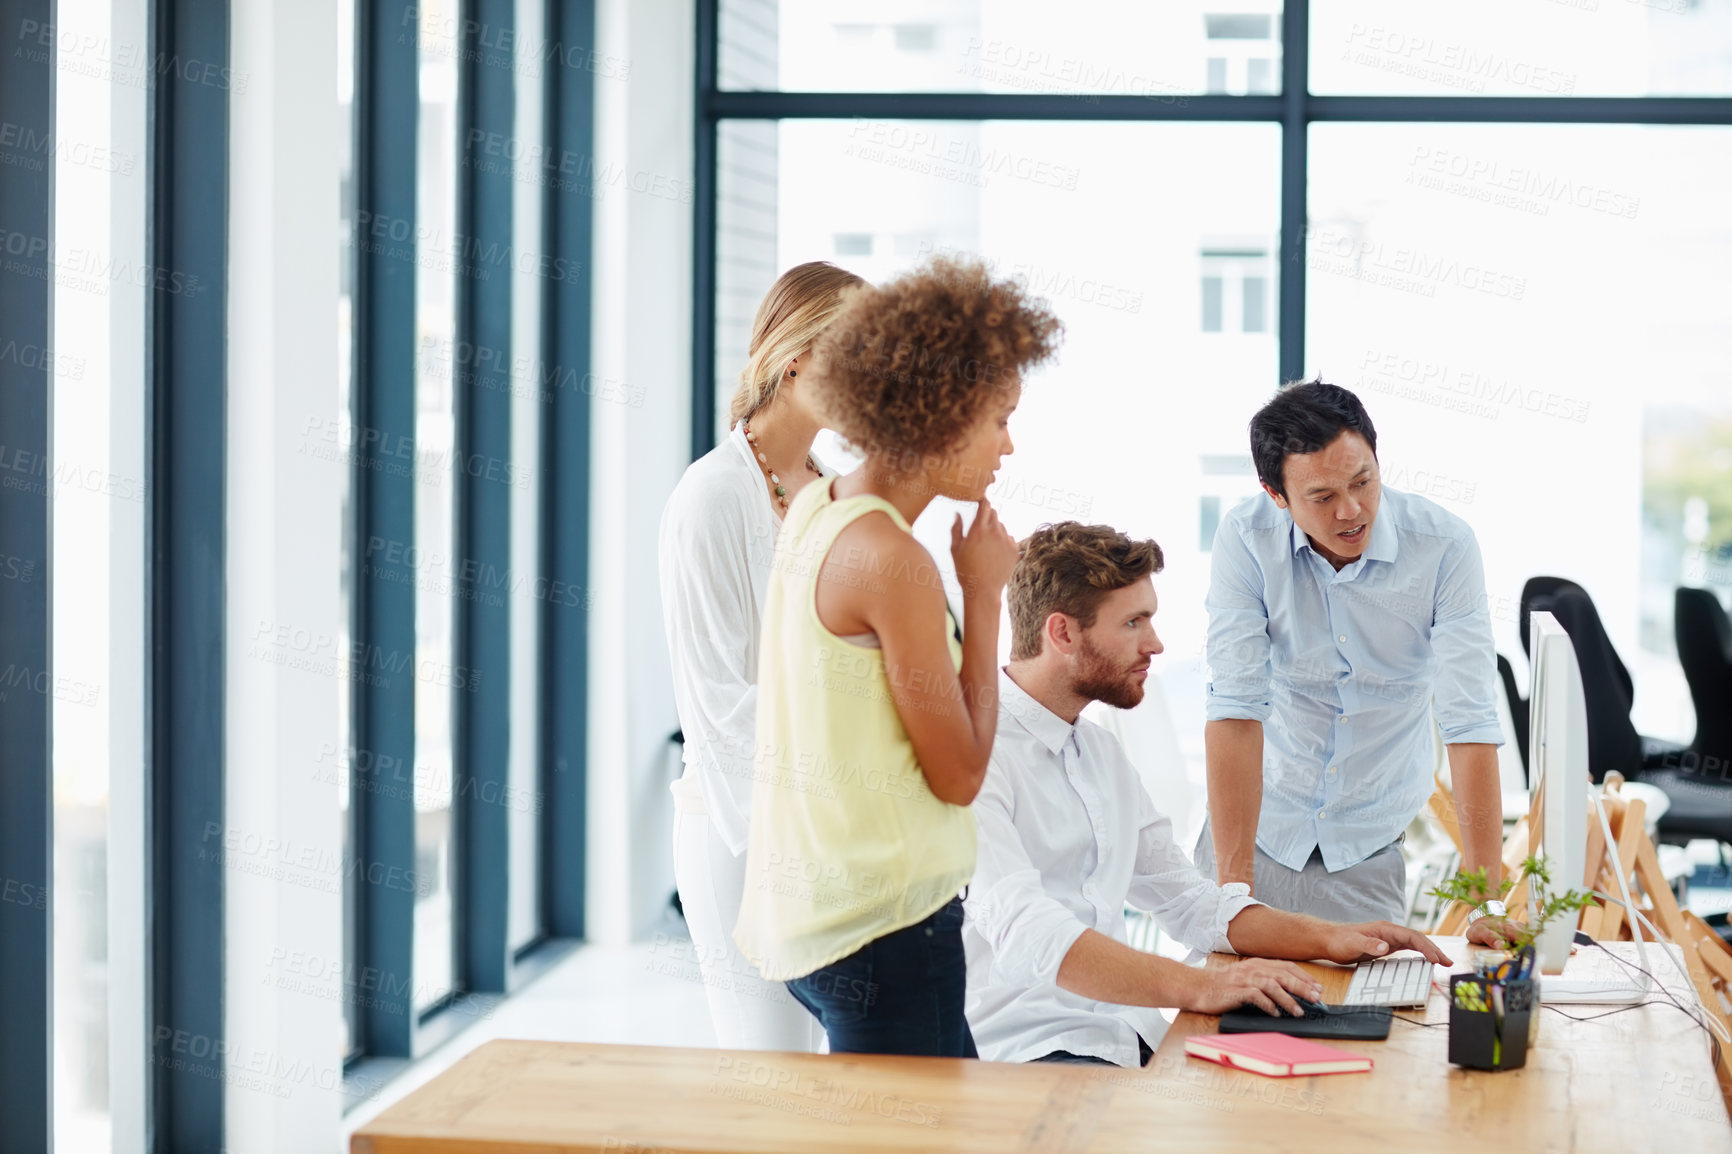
(985, 555)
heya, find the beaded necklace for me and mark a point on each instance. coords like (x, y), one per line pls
(764, 464)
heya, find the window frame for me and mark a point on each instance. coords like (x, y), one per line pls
(186, 590)
(1295, 109)
(390, 1030)
(26, 535)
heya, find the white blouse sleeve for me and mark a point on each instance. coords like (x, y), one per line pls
(711, 618)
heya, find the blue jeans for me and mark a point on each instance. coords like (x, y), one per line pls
(1068, 1058)
(898, 994)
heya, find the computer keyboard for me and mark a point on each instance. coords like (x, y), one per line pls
(1390, 982)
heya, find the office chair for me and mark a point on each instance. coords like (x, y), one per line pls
(1544, 589)
(1650, 752)
(1518, 706)
(1704, 637)
(1695, 809)
(1612, 739)
(1698, 779)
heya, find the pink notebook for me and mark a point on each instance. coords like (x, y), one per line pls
(1277, 1055)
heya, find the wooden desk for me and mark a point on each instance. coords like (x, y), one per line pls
(1635, 1081)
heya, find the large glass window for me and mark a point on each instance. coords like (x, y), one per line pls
(527, 404)
(1101, 48)
(1498, 48)
(1529, 311)
(1128, 426)
(82, 492)
(473, 561)
(437, 265)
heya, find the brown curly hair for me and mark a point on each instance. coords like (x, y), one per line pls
(1068, 568)
(909, 366)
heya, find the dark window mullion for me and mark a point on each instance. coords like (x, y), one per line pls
(26, 784)
(482, 383)
(1295, 156)
(965, 106)
(705, 182)
(382, 769)
(1522, 109)
(567, 219)
(188, 330)
(755, 105)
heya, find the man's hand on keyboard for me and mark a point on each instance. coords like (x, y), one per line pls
(1368, 940)
(1272, 986)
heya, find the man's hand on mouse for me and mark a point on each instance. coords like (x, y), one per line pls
(1274, 987)
(1368, 940)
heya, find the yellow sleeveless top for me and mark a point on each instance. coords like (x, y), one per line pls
(847, 843)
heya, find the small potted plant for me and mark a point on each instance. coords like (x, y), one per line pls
(1494, 1013)
(1470, 886)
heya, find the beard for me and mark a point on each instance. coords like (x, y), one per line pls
(1098, 678)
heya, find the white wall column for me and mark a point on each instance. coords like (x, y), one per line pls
(129, 1046)
(641, 413)
(284, 957)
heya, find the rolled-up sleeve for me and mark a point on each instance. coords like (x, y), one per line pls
(1028, 932)
(1464, 692)
(1188, 906)
(1238, 645)
(709, 615)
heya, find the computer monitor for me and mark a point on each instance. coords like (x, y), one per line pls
(1557, 774)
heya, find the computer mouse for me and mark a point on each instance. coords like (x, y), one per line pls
(1312, 1009)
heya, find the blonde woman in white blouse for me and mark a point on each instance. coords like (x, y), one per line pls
(718, 537)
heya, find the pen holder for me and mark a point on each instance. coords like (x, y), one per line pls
(1482, 1038)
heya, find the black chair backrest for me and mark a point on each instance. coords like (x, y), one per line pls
(1548, 587)
(1704, 637)
(1612, 739)
(1518, 707)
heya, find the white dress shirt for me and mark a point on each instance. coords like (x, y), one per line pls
(718, 539)
(1068, 836)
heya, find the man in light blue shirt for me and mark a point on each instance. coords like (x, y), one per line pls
(1343, 617)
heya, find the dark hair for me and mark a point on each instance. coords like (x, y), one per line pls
(1068, 568)
(1305, 416)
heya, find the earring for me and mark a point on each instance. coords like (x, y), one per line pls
(791, 372)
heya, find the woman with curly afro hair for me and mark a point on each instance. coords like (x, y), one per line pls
(875, 715)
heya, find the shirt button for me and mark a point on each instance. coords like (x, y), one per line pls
(1333, 770)
(1322, 814)
(1342, 639)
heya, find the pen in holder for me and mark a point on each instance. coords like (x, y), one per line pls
(1488, 1021)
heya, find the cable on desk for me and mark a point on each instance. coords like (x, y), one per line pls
(1701, 1019)
(1608, 1013)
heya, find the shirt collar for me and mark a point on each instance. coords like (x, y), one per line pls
(1048, 728)
(1385, 541)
